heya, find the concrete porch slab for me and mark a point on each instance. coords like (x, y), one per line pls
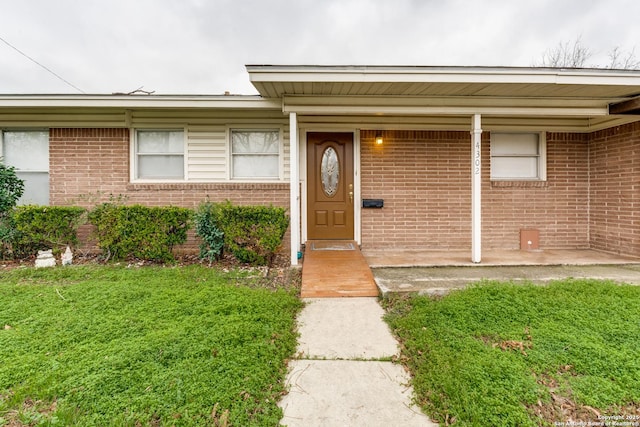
(437, 258)
(440, 280)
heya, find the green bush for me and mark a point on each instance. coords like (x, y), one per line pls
(43, 227)
(253, 234)
(11, 188)
(7, 234)
(207, 219)
(139, 231)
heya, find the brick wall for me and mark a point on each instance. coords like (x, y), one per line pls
(424, 178)
(86, 165)
(90, 165)
(591, 197)
(615, 189)
(557, 207)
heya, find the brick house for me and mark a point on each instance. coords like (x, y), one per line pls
(442, 158)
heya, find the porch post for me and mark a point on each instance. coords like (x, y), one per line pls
(294, 190)
(476, 183)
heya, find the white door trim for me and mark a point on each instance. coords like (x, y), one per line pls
(302, 167)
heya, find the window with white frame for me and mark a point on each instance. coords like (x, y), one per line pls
(159, 154)
(518, 156)
(255, 154)
(28, 152)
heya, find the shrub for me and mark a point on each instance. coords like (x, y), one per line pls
(11, 188)
(43, 227)
(252, 234)
(139, 231)
(7, 234)
(207, 219)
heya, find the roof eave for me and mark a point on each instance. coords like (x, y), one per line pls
(139, 101)
(426, 74)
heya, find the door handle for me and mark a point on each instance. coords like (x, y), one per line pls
(351, 193)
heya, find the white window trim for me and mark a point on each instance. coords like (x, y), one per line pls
(231, 129)
(47, 171)
(133, 154)
(542, 157)
(3, 131)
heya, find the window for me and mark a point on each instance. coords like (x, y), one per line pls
(518, 156)
(255, 154)
(159, 154)
(28, 152)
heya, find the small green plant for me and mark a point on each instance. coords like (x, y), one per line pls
(253, 233)
(206, 220)
(7, 235)
(137, 231)
(43, 227)
(11, 189)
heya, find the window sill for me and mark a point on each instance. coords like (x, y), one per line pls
(169, 186)
(519, 184)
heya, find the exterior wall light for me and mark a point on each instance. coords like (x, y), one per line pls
(379, 140)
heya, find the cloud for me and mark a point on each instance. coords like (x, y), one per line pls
(201, 46)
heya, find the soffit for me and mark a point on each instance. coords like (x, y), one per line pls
(274, 81)
(570, 99)
(518, 90)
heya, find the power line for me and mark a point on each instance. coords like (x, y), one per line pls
(39, 64)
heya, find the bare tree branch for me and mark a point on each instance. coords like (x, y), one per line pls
(566, 55)
(575, 55)
(620, 60)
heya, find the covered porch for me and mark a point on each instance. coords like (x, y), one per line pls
(432, 170)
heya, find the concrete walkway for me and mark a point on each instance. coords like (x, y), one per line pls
(343, 375)
(440, 280)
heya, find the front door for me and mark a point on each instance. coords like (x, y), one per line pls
(330, 185)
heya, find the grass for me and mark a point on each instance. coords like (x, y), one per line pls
(152, 346)
(511, 355)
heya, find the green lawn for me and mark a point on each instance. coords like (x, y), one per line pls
(512, 355)
(151, 346)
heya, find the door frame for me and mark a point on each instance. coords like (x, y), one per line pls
(357, 201)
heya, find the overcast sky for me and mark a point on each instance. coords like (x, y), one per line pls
(202, 46)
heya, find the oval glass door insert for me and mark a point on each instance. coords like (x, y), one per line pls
(330, 171)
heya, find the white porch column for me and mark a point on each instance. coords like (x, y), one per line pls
(294, 191)
(476, 183)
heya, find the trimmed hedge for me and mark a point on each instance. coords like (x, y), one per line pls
(137, 231)
(253, 234)
(34, 228)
